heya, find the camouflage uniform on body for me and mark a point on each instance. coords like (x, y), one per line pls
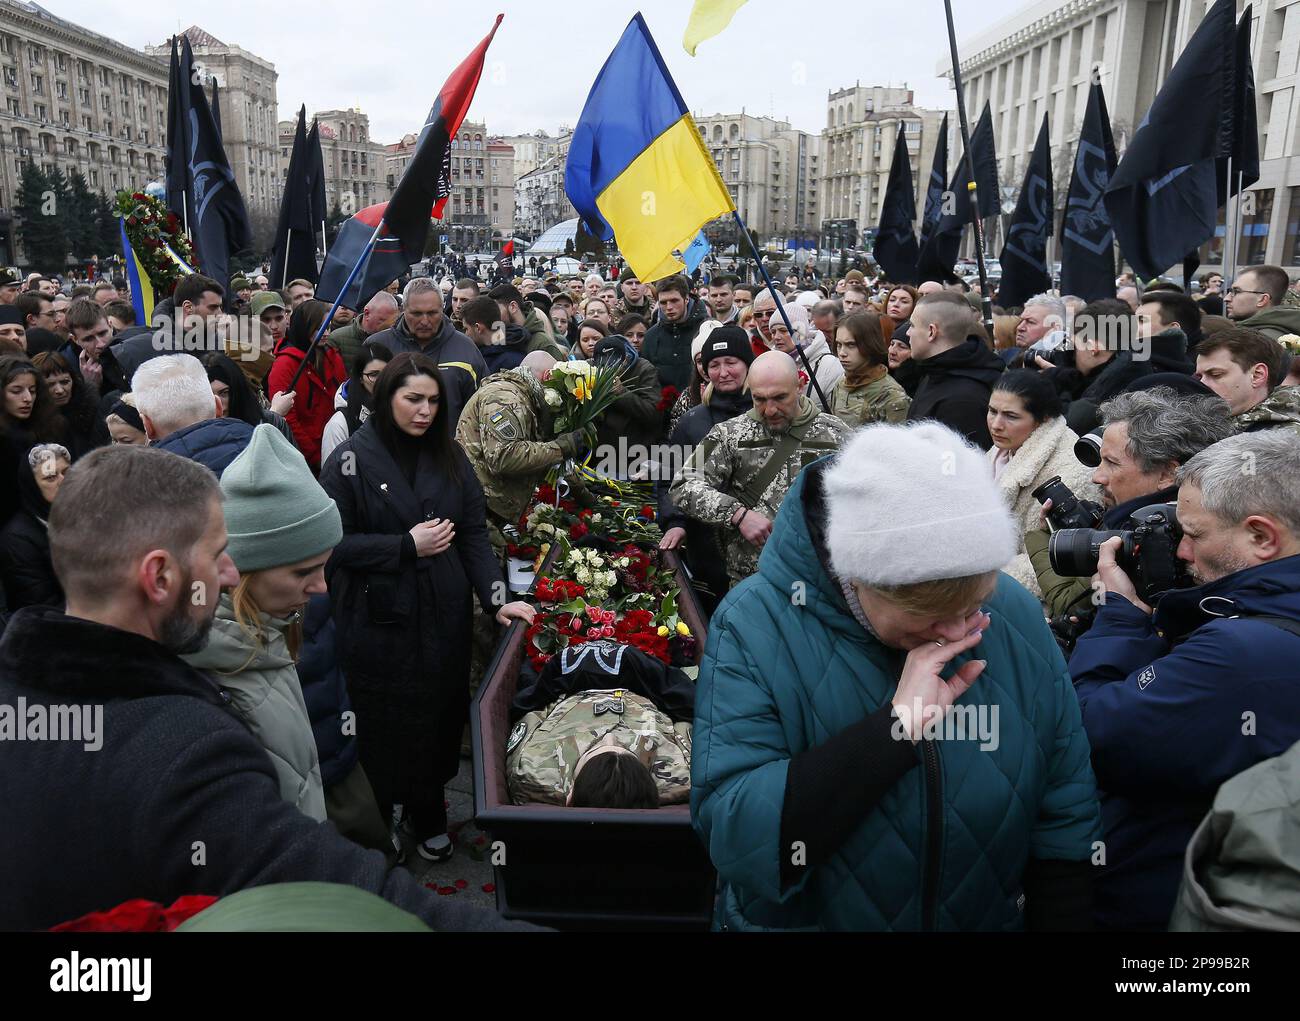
(505, 433)
(726, 465)
(1279, 410)
(545, 746)
(880, 400)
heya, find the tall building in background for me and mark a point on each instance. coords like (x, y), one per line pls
(355, 170)
(1043, 59)
(540, 199)
(74, 100)
(479, 216)
(248, 113)
(857, 144)
(532, 150)
(771, 169)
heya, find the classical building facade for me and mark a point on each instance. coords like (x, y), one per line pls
(540, 200)
(77, 101)
(248, 113)
(857, 144)
(355, 165)
(771, 169)
(480, 214)
(1043, 59)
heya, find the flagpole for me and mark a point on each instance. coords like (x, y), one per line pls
(284, 271)
(1231, 210)
(1236, 219)
(323, 243)
(780, 307)
(987, 301)
(365, 254)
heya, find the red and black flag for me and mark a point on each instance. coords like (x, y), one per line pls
(426, 182)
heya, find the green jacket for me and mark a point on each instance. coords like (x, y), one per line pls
(1279, 410)
(881, 400)
(348, 341)
(1242, 868)
(541, 336)
(1275, 322)
(719, 475)
(263, 684)
(506, 436)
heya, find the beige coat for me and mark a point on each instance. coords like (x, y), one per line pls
(1048, 451)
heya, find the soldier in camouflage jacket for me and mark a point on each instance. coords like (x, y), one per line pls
(506, 433)
(732, 478)
(545, 746)
(1279, 410)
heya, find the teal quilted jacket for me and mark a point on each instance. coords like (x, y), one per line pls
(787, 667)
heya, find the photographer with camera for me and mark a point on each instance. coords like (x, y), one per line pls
(1148, 434)
(1177, 700)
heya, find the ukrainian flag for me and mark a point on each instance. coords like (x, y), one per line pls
(141, 289)
(637, 168)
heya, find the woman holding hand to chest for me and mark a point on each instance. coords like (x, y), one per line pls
(414, 549)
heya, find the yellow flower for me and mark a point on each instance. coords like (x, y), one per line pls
(683, 630)
(580, 391)
(663, 631)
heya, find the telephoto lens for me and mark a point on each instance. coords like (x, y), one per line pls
(1087, 448)
(1074, 551)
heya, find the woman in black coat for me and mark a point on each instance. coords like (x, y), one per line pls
(25, 565)
(414, 548)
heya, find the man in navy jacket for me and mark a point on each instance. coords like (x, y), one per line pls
(1177, 700)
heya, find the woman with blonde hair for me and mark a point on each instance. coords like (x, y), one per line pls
(274, 623)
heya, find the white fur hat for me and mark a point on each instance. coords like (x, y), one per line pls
(913, 503)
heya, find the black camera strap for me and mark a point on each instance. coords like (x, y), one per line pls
(1285, 623)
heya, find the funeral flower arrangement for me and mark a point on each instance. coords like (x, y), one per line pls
(578, 393)
(628, 596)
(610, 523)
(153, 230)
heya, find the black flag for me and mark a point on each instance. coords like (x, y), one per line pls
(1087, 241)
(177, 181)
(1163, 198)
(294, 252)
(218, 219)
(934, 190)
(940, 251)
(1024, 255)
(216, 111)
(896, 248)
(1245, 136)
(316, 179)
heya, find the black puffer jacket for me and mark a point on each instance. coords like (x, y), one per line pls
(955, 387)
(667, 346)
(1083, 395)
(25, 565)
(326, 693)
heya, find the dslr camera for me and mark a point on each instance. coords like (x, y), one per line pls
(1067, 510)
(1148, 552)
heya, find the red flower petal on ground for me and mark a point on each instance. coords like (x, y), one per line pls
(445, 891)
(461, 884)
(489, 887)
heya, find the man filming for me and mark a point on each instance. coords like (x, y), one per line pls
(1177, 700)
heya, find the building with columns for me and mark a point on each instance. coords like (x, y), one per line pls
(355, 169)
(248, 113)
(76, 101)
(862, 126)
(1043, 59)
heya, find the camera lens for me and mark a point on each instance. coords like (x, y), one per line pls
(1073, 552)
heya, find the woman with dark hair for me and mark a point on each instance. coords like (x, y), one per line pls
(353, 401)
(590, 333)
(866, 392)
(25, 565)
(28, 416)
(76, 402)
(313, 402)
(414, 548)
(237, 396)
(900, 301)
(633, 327)
(1031, 444)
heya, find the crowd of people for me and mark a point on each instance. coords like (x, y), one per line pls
(255, 530)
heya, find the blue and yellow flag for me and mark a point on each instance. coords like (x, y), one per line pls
(637, 168)
(708, 18)
(141, 288)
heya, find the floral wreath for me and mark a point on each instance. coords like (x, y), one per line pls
(155, 235)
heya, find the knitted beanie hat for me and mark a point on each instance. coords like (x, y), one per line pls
(913, 503)
(702, 334)
(276, 511)
(727, 340)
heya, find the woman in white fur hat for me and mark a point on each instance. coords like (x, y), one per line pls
(855, 765)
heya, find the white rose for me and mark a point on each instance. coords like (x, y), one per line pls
(622, 562)
(575, 556)
(553, 399)
(595, 518)
(610, 578)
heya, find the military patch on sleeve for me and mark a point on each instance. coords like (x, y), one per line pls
(517, 735)
(503, 426)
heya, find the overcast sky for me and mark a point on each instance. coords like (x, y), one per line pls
(777, 58)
